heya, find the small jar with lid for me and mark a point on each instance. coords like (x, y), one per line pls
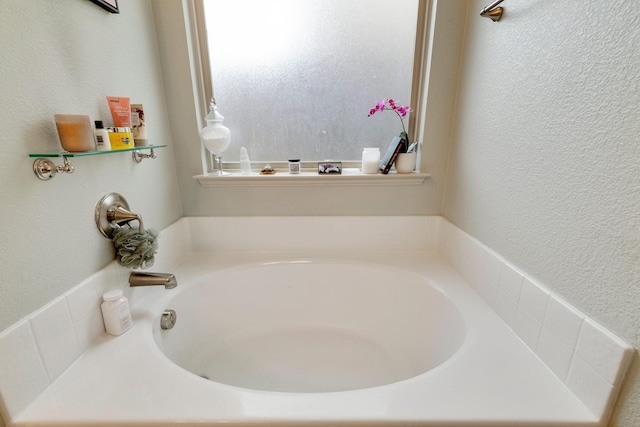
(294, 166)
(115, 312)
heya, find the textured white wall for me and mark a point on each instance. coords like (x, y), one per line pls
(545, 165)
(65, 57)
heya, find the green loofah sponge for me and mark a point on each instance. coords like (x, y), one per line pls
(135, 249)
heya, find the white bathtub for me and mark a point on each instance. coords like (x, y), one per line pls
(303, 326)
(371, 339)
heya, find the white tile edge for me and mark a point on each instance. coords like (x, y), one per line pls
(175, 236)
(452, 241)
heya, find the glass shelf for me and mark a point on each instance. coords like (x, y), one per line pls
(45, 169)
(92, 153)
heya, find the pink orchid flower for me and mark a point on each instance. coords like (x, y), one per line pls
(403, 110)
(392, 105)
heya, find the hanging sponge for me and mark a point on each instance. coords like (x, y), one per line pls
(133, 248)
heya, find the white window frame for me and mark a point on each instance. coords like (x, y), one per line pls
(309, 177)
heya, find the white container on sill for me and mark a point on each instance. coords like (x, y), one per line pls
(245, 163)
(405, 162)
(371, 160)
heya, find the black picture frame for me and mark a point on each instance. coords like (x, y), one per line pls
(110, 5)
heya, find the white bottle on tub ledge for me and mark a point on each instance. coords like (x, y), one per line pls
(115, 312)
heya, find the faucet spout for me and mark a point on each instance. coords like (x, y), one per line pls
(167, 280)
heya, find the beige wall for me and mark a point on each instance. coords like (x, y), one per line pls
(544, 166)
(65, 57)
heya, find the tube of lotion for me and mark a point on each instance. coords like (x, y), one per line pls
(138, 125)
(120, 111)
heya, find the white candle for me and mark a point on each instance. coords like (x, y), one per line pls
(371, 160)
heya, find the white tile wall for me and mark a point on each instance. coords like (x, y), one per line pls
(56, 337)
(510, 282)
(36, 350)
(527, 328)
(289, 234)
(602, 353)
(555, 354)
(563, 322)
(589, 359)
(22, 373)
(533, 299)
(591, 388)
(506, 308)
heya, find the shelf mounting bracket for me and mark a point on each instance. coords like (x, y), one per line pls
(139, 157)
(45, 169)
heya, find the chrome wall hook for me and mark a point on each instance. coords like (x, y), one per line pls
(493, 12)
(45, 169)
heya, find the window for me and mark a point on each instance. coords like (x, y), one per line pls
(296, 78)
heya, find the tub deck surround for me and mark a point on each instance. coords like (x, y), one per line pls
(528, 358)
(493, 378)
(590, 360)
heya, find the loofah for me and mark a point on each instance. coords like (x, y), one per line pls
(135, 249)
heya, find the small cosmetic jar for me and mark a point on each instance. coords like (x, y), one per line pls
(294, 166)
(121, 138)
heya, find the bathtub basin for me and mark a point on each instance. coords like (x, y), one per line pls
(373, 339)
(305, 327)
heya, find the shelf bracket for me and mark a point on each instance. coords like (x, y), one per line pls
(139, 157)
(45, 169)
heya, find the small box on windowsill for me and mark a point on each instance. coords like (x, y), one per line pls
(329, 167)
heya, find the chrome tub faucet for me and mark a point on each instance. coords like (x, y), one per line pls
(167, 280)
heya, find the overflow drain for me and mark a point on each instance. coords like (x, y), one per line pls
(168, 319)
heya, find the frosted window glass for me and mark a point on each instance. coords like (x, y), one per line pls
(296, 78)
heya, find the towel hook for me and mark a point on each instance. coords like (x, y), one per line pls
(493, 12)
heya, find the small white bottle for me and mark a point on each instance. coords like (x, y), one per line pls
(245, 163)
(371, 160)
(102, 137)
(115, 312)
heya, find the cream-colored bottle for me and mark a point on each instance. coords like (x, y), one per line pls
(101, 137)
(115, 312)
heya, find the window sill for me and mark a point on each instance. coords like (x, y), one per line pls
(348, 177)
